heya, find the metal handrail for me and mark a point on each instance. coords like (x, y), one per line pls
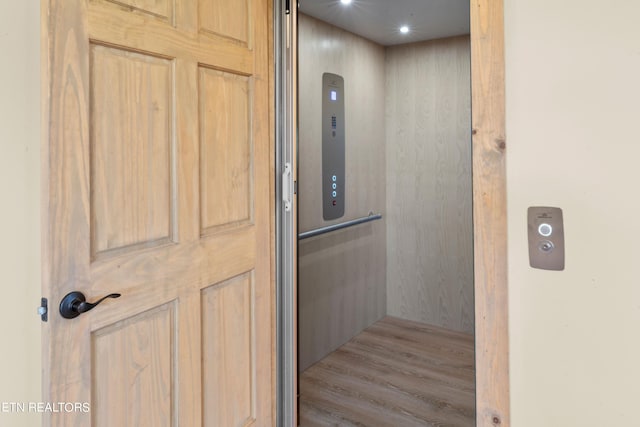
(340, 226)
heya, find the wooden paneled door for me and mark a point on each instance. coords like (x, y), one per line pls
(156, 184)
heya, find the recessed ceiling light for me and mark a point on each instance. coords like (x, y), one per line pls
(404, 29)
(345, 1)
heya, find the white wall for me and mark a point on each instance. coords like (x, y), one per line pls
(573, 141)
(20, 208)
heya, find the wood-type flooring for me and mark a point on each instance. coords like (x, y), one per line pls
(395, 373)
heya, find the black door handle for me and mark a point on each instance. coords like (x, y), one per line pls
(75, 303)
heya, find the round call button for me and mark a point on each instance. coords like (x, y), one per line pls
(545, 229)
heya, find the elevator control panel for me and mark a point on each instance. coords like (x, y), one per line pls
(546, 238)
(333, 136)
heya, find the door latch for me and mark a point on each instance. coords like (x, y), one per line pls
(286, 187)
(43, 310)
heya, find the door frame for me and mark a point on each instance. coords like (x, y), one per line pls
(286, 85)
(490, 213)
(489, 210)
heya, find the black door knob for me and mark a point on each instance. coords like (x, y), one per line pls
(75, 303)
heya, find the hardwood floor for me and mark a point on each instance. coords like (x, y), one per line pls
(395, 373)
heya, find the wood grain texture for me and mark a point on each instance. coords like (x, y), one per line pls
(225, 18)
(228, 356)
(156, 359)
(429, 196)
(226, 150)
(145, 346)
(66, 238)
(394, 373)
(342, 274)
(490, 213)
(160, 8)
(180, 41)
(131, 150)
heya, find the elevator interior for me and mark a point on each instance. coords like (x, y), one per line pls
(382, 297)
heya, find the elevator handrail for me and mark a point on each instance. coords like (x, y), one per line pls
(322, 230)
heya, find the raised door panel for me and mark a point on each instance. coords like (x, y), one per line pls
(228, 353)
(226, 18)
(225, 149)
(132, 116)
(133, 371)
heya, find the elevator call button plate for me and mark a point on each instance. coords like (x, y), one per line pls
(546, 238)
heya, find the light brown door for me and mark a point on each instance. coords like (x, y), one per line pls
(156, 182)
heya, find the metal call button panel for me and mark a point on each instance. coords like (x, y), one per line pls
(546, 238)
(333, 132)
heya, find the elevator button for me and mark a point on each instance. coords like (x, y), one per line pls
(334, 194)
(335, 186)
(546, 246)
(334, 178)
(545, 229)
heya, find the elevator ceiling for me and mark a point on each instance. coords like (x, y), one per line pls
(381, 20)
